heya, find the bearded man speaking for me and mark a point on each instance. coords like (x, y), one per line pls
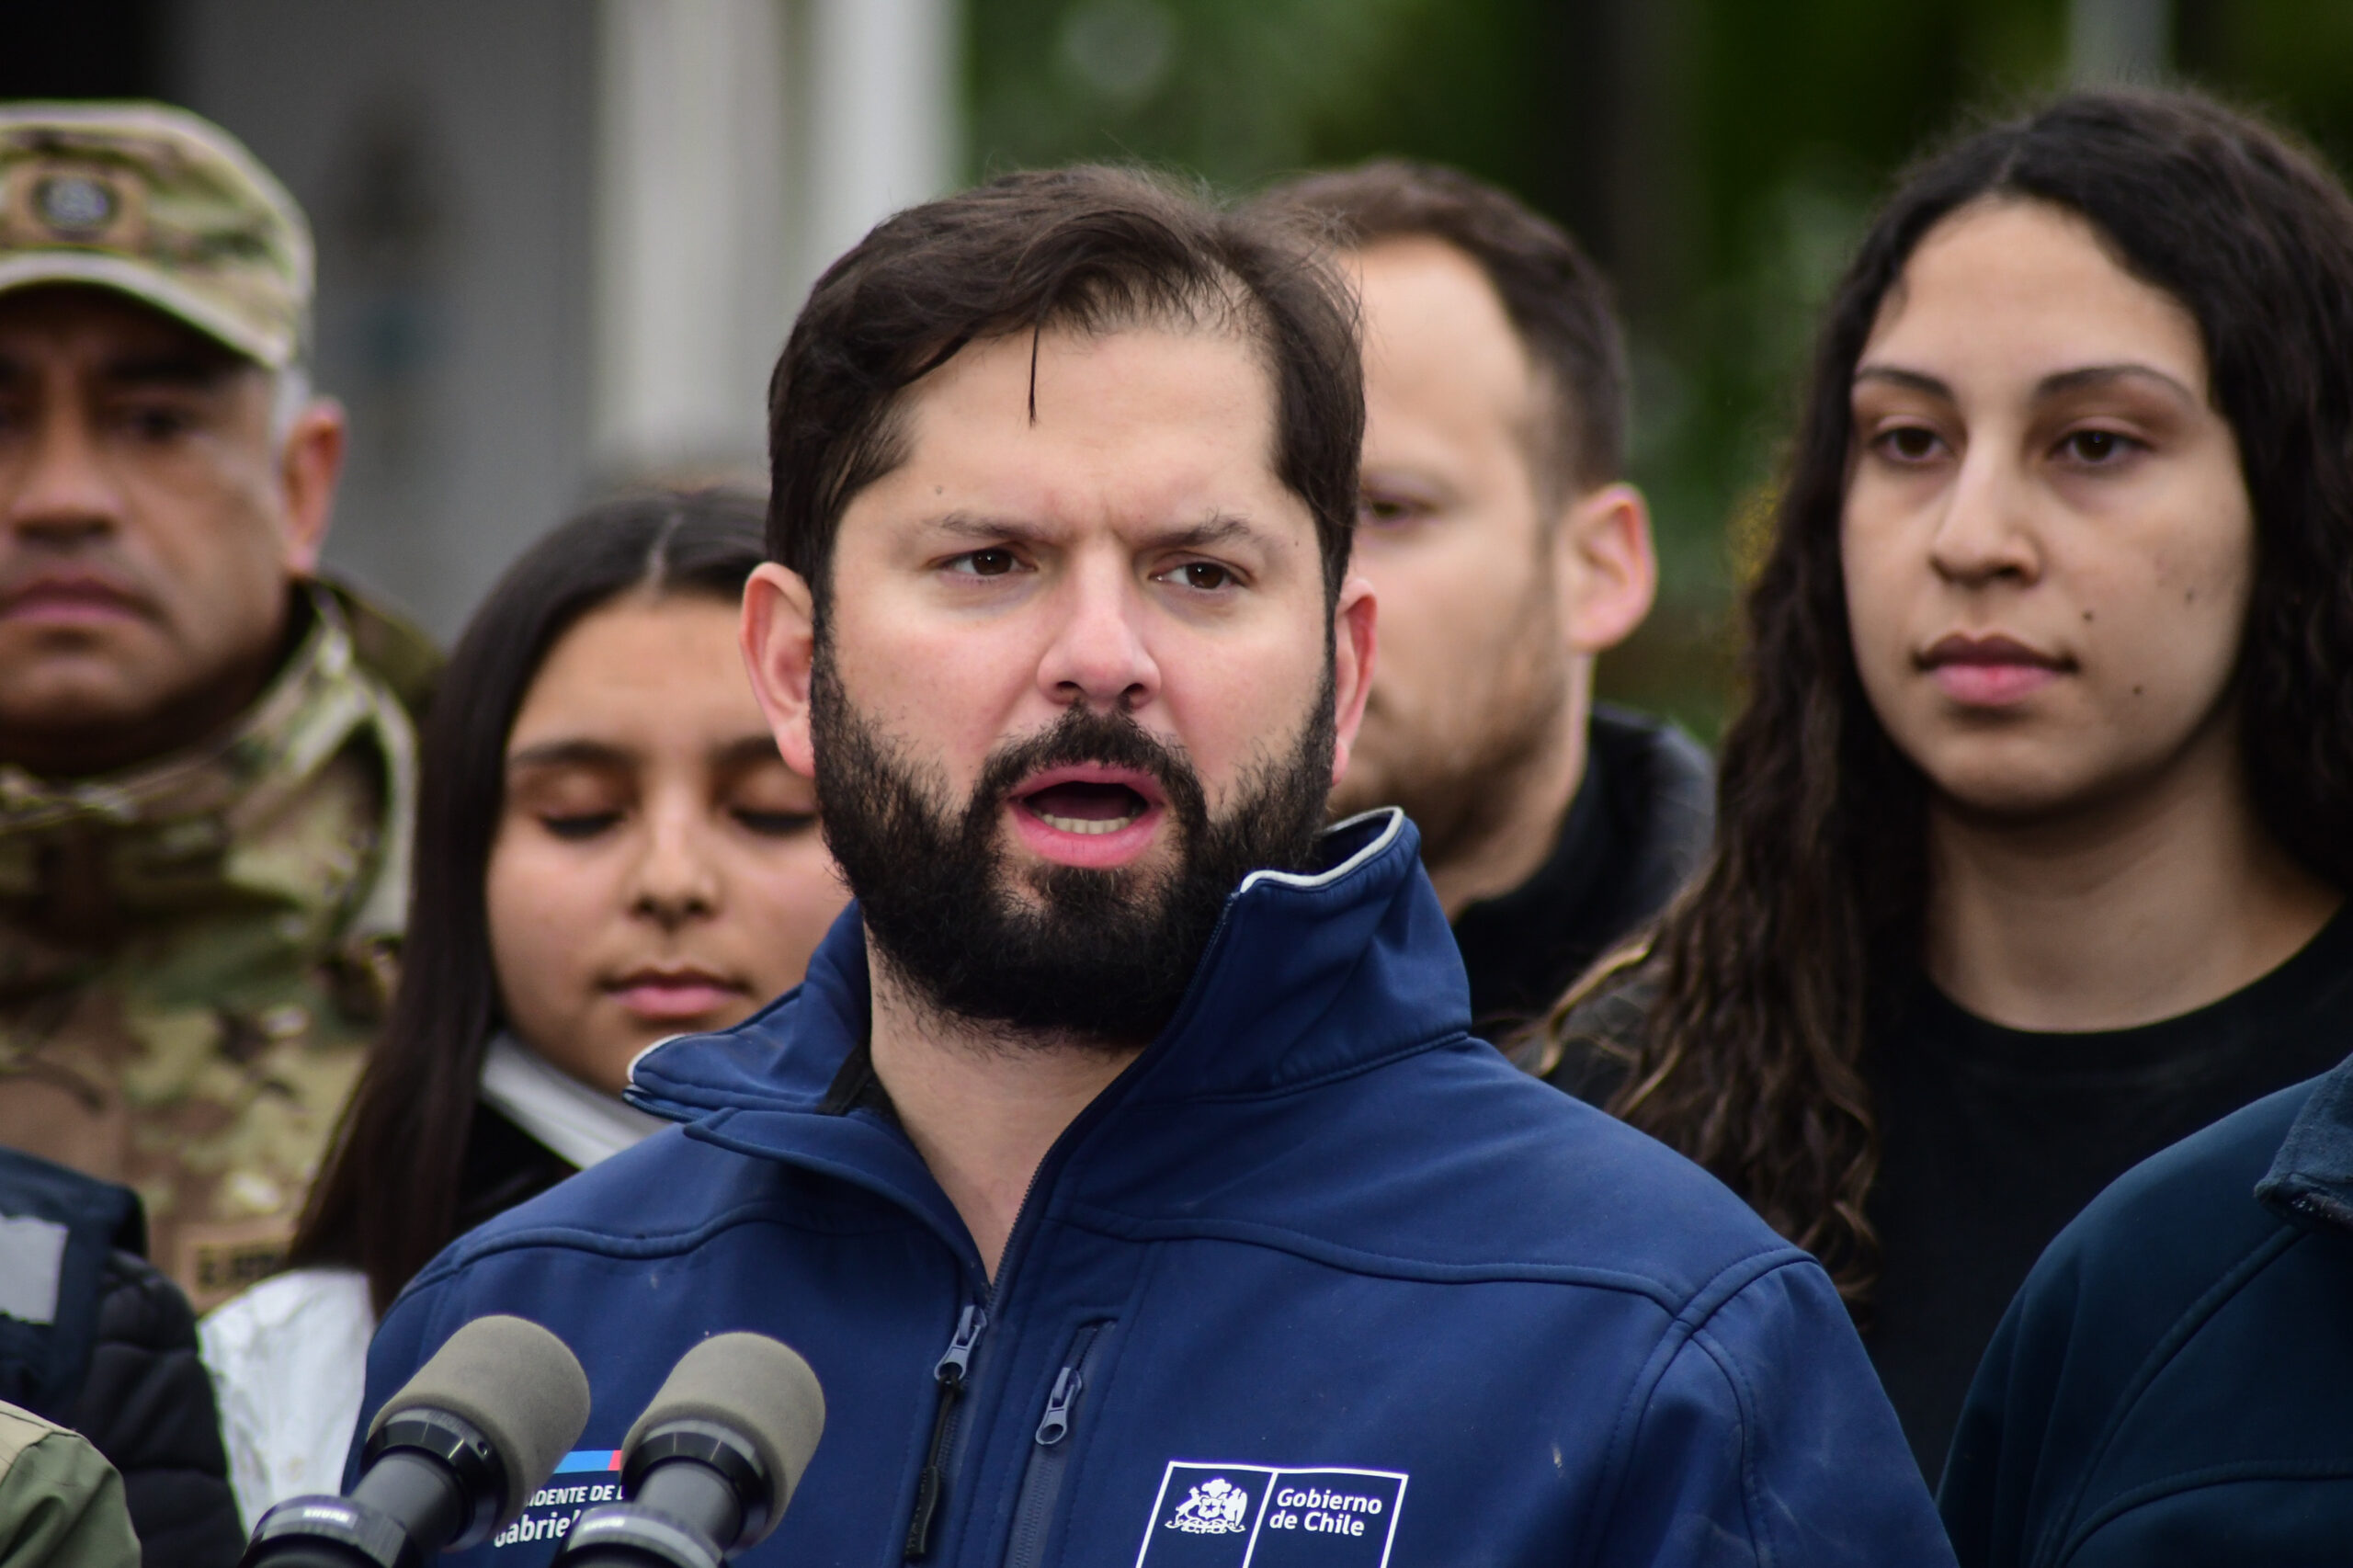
(1124, 1168)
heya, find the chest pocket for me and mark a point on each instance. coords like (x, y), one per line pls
(1053, 1445)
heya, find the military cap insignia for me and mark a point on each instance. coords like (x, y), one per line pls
(76, 205)
(61, 203)
(163, 206)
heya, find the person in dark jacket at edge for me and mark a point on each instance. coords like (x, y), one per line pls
(1125, 1167)
(2038, 817)
(2173, 1384)
(93, 1338)
(1507, 552)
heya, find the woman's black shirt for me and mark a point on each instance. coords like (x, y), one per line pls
(1993, 1139)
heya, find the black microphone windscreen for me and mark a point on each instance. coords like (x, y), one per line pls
(518, 1384)
(753, 1386)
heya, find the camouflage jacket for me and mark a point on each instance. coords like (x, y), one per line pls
(195, 953)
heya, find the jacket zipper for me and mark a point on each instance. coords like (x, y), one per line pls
(954, 1367)
(952, 1372)
(1042, 1479)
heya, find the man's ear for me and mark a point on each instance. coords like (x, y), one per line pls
(779, 639)
(1352, 652)
(1606, 567)
(309, 465)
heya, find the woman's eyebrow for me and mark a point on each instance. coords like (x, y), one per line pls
(2103, 375)
(570, 754)
(1911, 380)
(745, 750)
(2056, 384)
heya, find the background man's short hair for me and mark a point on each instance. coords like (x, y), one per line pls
(1555, 297)
(1088, 247)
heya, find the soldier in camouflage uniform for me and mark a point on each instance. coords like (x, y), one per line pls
(206, 753)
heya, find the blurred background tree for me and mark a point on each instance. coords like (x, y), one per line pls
(1717, 157)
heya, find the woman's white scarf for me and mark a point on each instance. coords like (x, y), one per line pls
(581, 1124)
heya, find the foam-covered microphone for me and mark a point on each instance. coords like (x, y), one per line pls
(709, 1468)
(451, 1457)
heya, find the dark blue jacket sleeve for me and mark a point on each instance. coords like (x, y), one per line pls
(2073, 1341)
(1989, 1475)
(1766, 1439)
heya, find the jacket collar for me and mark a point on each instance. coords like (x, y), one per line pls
(169, 826)
(2311, 1179)
(1308, 976)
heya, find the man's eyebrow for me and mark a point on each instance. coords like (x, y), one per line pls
(571, 753)
(2102, 375)
(986, 526)
(1223, 529)
(200, 371)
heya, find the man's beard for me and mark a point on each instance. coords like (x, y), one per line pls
(1458, 779)
(1091, 956)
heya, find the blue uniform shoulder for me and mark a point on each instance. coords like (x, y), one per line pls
(2198, 1195)
(2142, 1360)
(1442, 1163)
(1591, 1188)
(1446, 1163)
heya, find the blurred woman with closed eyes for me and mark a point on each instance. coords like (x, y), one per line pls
(610, 851)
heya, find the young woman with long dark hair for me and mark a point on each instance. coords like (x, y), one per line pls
(2036, 820)
(610, 851)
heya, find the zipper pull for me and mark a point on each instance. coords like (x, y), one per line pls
(959, 1357)
(1056, 1425)
(950, 1374)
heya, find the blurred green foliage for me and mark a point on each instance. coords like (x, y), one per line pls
(1718, 156)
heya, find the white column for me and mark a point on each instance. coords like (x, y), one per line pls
(885, 126)
(741, 145)
(690, 276)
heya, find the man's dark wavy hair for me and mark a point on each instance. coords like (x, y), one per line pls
(1090, 248)
(1770, 969)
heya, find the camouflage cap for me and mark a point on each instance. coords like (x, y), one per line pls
(163, 206)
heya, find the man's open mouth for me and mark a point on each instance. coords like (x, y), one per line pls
(1077, 806)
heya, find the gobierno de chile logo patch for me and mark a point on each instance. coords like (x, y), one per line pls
(1241, 1516)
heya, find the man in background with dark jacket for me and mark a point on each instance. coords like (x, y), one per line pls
(1507, 552)
(1124, 1168)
